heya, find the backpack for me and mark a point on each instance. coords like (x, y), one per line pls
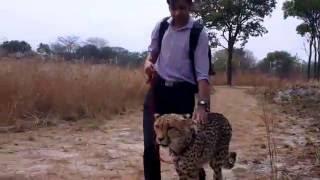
(194, 38)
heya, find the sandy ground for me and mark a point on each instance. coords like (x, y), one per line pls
(92, 149)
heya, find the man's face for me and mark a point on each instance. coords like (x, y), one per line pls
(180, 10)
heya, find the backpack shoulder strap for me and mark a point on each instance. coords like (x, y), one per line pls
(194, 38)
(163, 28)
(193, 42)
(211, 65)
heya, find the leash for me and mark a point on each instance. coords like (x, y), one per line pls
(153, 108)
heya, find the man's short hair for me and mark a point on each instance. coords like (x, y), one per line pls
(170, 2)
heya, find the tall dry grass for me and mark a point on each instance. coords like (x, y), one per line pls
(32, 88)
(65, 90)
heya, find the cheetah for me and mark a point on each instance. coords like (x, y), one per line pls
(193, 145)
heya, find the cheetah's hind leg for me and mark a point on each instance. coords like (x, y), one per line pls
(216, 167)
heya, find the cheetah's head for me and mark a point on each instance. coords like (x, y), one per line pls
(173, 131)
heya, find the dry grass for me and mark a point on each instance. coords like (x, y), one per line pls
(296, 108)
(250, 79)
(35, 89)
(269, 123)
(318, 155)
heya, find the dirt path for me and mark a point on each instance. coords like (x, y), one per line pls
(113, 149)
(248, 131)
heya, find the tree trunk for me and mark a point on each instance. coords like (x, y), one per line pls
(229, 70)
(310, 56)
(315, 68)
(318, 75)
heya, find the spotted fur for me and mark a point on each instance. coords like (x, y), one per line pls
(193, 145)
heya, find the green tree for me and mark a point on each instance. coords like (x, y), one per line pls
(66, 46)
(243, 60)
(16, 46)
(309, 12)
(235, 21)
(305, 31)
(107, 53)
(96, 41)
(44, 49)
(279, 63)
(88, 52)
(57, 48)
(70, 43)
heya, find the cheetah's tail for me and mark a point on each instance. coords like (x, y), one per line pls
(230, 161)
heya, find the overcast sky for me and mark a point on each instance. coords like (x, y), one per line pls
(125, 23)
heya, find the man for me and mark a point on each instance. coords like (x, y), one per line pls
(174, 79)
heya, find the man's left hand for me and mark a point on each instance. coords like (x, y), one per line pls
(200, 115)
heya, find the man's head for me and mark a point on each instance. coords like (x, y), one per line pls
(180, 10)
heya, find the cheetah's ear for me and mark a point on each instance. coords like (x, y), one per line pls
(187, 116)
(156, 115)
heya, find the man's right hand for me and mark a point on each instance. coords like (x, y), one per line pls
(149, 70)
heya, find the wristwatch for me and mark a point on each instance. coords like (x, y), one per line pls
(204, 104)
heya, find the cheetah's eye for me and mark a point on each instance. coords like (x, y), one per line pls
(169, 128)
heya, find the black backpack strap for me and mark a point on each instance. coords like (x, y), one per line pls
(211, 65)
(194, 38)
(162, 30)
